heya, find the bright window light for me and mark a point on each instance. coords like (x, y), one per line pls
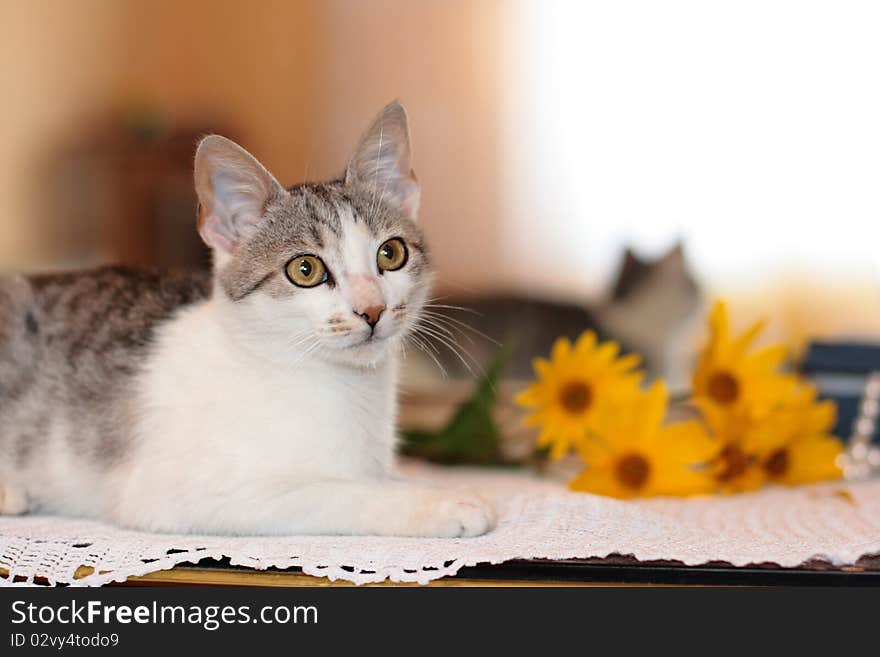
(751, 129)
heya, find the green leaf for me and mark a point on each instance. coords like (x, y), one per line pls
(471, 435)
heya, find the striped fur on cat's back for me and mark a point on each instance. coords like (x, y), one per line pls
(70, 346)
(257, 399)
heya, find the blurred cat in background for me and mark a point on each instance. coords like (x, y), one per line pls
(651, 309)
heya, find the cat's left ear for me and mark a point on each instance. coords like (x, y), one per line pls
(675, 255)
(233, 190)
(381, 163)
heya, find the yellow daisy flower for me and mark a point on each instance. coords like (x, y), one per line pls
(791, 445)
(736, 470)
(578, 380)
(794, 444)
(634, 454)
(733, 384)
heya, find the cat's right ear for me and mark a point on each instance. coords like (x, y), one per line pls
(233, 190)
(632, 265)
(382, 161)
(630, 259)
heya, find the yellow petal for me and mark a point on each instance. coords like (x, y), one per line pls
(752, 478)
(533, 419)
(559, 448)
(764, 438)
(813, 459)
(725, 423)
(528, 397)
(744, 341)
(585, 343)
(607, 351)
(599, 481)
(542, 367)
(682, 481)
(654, 409)
(594, 451)
(718, 316)
(823, 416)
(561, 349)
(545, 437)
(767, 359)
(628, 362)
(719, 324)
(686, 444)
(618, 426)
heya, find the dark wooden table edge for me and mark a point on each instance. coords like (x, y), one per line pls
(613, 570)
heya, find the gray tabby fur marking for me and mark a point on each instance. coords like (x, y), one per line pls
(69, 345)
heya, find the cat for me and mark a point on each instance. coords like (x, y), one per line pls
(651, 309)
(259, 398)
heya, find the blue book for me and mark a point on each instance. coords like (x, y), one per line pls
(842, 357)
(840, 370)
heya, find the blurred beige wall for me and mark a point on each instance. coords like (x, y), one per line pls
(297, 81)
(60, 66)
(247, 65)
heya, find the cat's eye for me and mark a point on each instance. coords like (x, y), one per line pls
(392, 255)
(307, 271)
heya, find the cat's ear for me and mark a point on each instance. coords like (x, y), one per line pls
(675, 255)
(630, 259)
(381, 163)
(233, 190)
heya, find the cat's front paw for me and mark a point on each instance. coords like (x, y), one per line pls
(456, 514)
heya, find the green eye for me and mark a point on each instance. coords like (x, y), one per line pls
(392, 255)
(306, 271)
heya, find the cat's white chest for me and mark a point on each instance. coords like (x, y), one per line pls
(202, 395)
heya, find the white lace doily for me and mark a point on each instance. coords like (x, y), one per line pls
(538, 519)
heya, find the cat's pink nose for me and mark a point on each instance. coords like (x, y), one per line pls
(371, 314)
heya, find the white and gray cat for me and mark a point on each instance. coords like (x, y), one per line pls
(258, 400)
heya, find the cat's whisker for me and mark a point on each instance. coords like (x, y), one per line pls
(464, 325)
(300, 338)
(427, 347)
(455, 348)
(450, 307)
(301, 343)
(451, 343)
(427, 321)
(454, 332)
(427, 344)
(476, 362)
(307, 351)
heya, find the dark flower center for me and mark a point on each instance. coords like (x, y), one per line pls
(735, 462)
(576, 397)
(723, 387)
(777, 464)
(632, 471)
